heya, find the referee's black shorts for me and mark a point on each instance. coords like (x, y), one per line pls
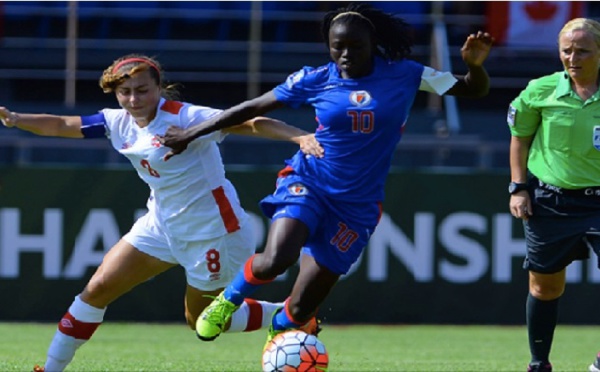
(564, 226)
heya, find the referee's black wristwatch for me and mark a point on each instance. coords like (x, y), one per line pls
(515, 187)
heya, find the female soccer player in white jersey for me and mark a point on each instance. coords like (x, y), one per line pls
(194, 217)
(328, 207)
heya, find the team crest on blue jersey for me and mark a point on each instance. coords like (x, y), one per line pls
(596, 135)
(297, 189)
(360, 98)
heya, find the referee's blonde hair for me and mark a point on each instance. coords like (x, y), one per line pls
(585, 24)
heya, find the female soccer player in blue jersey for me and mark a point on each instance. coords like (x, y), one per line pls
(327, 208)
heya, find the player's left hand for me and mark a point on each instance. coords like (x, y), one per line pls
(8, 118)
(174, 138)
(477, 48)
(310, 146)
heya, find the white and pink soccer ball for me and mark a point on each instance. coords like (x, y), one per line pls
(295, 351)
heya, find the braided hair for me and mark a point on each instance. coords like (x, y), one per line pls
(392, 35)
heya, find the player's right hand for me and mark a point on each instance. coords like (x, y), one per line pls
(520, 205)
(175, 139)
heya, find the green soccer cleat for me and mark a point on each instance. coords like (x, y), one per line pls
(211, 322)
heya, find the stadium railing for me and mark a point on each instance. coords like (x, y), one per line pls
(206, 49)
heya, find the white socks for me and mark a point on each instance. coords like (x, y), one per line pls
(81, 320)
(74, 329)
(253, 315)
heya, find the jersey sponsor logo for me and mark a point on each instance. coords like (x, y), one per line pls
(596, 135)
(511, 115)
(360, 98)
(297, 189)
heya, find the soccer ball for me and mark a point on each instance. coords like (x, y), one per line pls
(295, 351)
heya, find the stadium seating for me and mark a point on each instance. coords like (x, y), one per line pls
(204, 45)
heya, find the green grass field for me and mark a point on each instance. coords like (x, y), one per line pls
(168, 347)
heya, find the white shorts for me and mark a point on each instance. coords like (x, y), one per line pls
(209, 264)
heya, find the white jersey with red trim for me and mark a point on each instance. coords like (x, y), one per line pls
(189, 194)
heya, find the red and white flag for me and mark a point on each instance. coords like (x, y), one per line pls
(530, 23)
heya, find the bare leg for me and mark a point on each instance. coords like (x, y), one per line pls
(313, 284)
(122, 268)
(285, 240)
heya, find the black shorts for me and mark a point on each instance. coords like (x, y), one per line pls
(564, 227)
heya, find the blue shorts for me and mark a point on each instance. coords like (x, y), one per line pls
(339, 231)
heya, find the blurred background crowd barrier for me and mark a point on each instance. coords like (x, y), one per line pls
(53, 53)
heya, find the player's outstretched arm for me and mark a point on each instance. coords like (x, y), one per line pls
(474, 52)
(43, 124)
(178, 139)
(278, 130)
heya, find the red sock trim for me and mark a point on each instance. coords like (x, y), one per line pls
(249, 277)
(74, 328)
(289, 315)
(255, 315)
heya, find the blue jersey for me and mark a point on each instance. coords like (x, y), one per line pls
(360, 123)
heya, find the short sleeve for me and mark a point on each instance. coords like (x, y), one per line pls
(302, 86)
(434, 81)
(522, 118)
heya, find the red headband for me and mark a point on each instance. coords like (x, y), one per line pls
(129, 60)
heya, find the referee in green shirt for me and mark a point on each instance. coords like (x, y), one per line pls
(555, 177)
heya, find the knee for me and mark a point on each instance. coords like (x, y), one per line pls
(274, 264)
(546, 292)
(97, 293)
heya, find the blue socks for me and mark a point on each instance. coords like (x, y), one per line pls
(281, 321)
(244, 284)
